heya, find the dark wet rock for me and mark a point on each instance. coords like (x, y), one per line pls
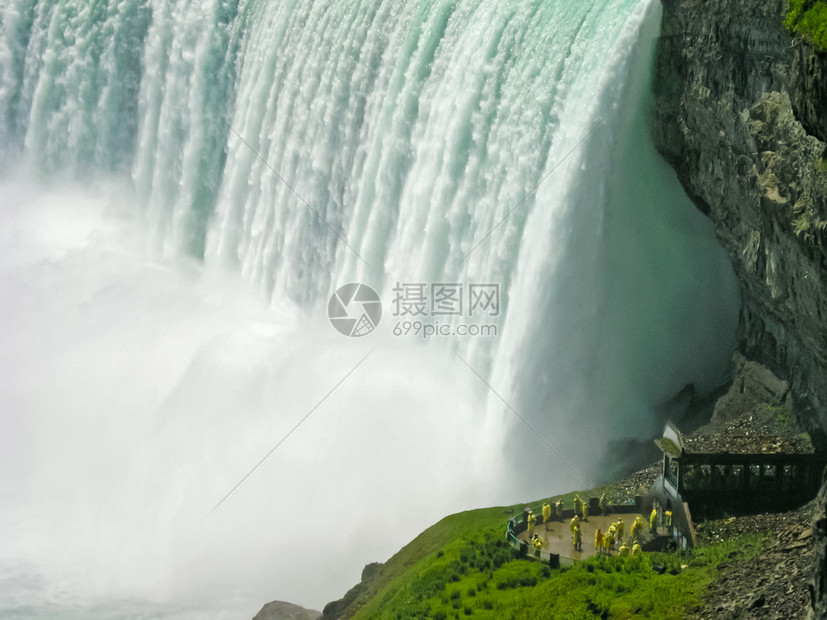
(754, 388)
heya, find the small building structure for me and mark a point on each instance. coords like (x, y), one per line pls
(726, 472)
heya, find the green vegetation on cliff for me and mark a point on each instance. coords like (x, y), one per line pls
(809, 19)
(462, 567)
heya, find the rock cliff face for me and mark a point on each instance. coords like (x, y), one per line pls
(740, 111)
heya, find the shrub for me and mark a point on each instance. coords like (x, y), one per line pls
(808, 18)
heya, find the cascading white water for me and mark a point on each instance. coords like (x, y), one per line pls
(142, 380)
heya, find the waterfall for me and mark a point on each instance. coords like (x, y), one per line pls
(185, 184)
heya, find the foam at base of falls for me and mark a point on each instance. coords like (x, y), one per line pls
(137, 393)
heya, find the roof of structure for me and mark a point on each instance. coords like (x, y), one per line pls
(748, 443)
(743, 436)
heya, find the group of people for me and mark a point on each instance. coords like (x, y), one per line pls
(603, 542)
(552, 513)
(666, 521)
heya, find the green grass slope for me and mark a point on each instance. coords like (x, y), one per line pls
(462, 567)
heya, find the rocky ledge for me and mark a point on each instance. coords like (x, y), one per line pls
(772, 585)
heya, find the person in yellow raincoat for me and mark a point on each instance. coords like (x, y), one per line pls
(575, 522)
(578, 538)
(613, 535)
(559, 507)
(578, 505)
(608, 541)
(604, 503)
(546, 514)
(623, 552)
(652, 518)
(634, 532)
(667, 517)
(636, 550)
(619, 527)
(585, 511)
(532, 519)
(537, 541)
(598, 540)
(640, 525)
